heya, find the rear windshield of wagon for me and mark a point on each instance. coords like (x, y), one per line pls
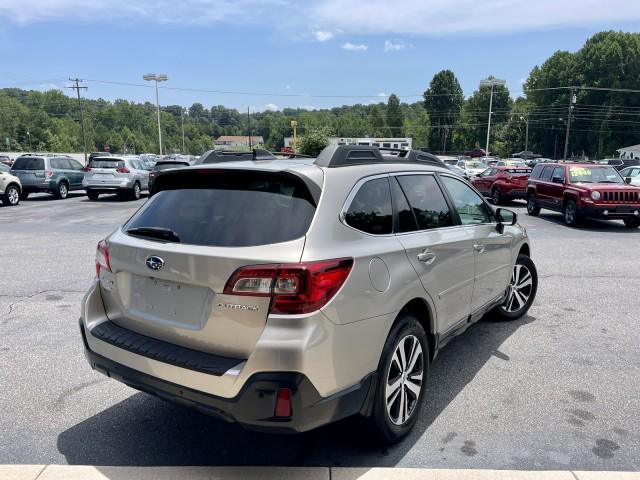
(228, 208)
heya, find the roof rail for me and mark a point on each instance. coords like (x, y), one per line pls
(349, 155)
(221, 156)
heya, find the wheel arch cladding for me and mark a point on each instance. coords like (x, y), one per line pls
(420, 309)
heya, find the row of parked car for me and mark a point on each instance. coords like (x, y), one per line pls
(126, 176)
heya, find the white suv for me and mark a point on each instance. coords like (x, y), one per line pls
(287, 294)
(10, 187)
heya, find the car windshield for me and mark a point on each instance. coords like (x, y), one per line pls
(594, 174)
(474, 164)
(523, 171)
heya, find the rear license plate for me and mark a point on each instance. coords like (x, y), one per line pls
(164, 301)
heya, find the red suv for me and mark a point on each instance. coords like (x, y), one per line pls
(581, 190)
(503, 183)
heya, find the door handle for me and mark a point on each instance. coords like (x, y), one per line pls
(427, 257)
(478, 247)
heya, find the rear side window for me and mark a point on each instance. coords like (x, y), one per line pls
(60, 163)
(103, 163)
(230, 209)
(546, 174)
(28, 163)
(426, 200)
(370, 210)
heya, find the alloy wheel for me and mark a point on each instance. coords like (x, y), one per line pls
(63, 190)
(519, 289)
(13, 196)
(404, 380)
(570, 214)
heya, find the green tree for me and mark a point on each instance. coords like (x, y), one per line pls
(443, 101)
(395, 118)
(376, 122)
(314, 141)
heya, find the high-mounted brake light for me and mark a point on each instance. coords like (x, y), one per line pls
(294, 288)
(102, 257)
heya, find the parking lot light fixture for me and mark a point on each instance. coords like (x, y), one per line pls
(490, 82)
(152, 77)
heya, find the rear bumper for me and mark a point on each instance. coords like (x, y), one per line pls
(515, 193)
(44, 186)
(107, 186)
(611, 212)
(254, 406)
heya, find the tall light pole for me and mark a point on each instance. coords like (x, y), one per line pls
(490, 82)
(572, 100)
(182, 120)
(526, 135)
(152, 77)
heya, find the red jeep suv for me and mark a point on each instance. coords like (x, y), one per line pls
(503, 183)
(581, 190)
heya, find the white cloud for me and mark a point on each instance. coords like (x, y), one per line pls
(322, 35)
(402, 17)
(355, 47)
(271, 107)
(382, 94)
(396, 45)
(287, 87)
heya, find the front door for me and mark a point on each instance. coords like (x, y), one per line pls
(492, 249)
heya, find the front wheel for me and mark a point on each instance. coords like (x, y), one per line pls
(11, 196)
(402, 376)
(521, 291)
(532, 207)
(632, 222)
(570, 214)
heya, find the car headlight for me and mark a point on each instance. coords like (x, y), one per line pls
(595, 195)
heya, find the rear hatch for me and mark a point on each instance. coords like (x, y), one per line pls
(519, 176)
(171, 261)
(105, 170)
(30, 170)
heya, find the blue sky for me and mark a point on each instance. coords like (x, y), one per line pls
(316, 53)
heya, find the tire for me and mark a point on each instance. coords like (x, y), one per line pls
(522, 290)
(136, 191)
(24, 195)
(533, 208)
(632, 222)
(570, 214)
(92, 195)
(62, 191)
(11, 196)
(496, 196)
(387, 420)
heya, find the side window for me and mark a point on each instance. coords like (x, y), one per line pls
(134, 164)
(558, 173)
(535, 173)
(546, 174)
(370, 211)
(76, 165)
(427, 201)
(57, 163)
(406, 220)
(470, 206)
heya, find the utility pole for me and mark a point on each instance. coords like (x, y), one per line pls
(526, 135)
(249, 127)
(572, 100)
(182, 120)
(77, 88)
(490, 82)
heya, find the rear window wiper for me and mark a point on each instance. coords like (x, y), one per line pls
(155, 232)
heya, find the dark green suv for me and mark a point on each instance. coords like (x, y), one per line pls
(57, 175)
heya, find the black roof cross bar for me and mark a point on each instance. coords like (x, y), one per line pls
(348, 155)
(221, 156)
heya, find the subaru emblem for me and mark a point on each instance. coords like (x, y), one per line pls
(154, 262)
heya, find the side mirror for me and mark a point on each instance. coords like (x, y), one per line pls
(627, 180)
(506, 217)
(557, 180)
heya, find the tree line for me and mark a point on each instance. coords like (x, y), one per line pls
(604, 116)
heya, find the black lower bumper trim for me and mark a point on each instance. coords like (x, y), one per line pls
(254, 406)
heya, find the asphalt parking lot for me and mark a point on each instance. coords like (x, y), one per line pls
(558, 389)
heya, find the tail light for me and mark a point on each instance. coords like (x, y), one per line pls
(294, 288)
(48, 173)
(122, 170)
(87, 169)
(102, 257)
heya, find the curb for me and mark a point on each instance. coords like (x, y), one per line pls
(83, 472)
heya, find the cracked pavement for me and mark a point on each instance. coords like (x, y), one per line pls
(556, 390)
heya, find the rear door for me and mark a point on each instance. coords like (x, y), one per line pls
(221, 222)
(556, 187)
(492, 249)
(75, 173)
(441, 252)
(484, 181)
(544, 194)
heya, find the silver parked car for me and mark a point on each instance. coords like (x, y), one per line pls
(126, 176)
(287, 295)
